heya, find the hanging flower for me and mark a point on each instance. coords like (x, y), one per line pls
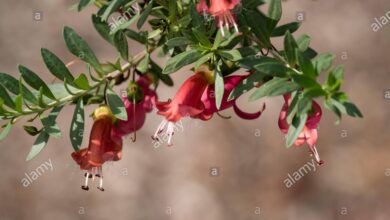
(309, 134)
(221, 10)
(104, 146)
(208, 100)
(138, 101)
(186, 103)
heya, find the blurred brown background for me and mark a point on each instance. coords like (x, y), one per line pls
(175, 183)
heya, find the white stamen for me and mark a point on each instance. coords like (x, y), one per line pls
(170, 132)
(221, 27)
(100, 172)
(315, 153)
(86, 179)
(160, 128)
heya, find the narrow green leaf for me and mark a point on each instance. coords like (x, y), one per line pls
(178, 42)
(56, 66)
(219, 85)
(77, 126)
(19, 103)
(289, 47)
(303, 42)
(281, 30)
(274, 87)
(6, 97)
(143, 66)
(246, 85)
(12, 85)
(145, 14)
(306, 65)
(203, 60)
(323, 62)
(38, 146)
(232, 55)
(49, 123)
(295, 129)
(82, 82)
(177, 62)
(114, 29)
(116, 105)
(156, 69)
(136, 36)
(201, 37)
(120, 42)
(5, 131)
(103, 28)
(35, 81)
(274, 13)
(78, 47)
(273, 69)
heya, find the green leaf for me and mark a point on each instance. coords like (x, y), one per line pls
(120, 42)
(82, 82)
(306, 81)
(19, 103)
(304, 105)
(246, 85)
(6, 97)
(273, 69)
(5, 131)
(295, 129)
(156, 69)
(49, 123)
(347, 107)
(232, 55)
(203, 60)
(274, 13)
(274, 87)
(323, 62)
(145, 15)
(178, 42)
(77, 126)
(257, 23)
(249, 62)
(306, 65)
(12, 85)
(136, 36)
(35, 81)
(303, 42)
(31, 130)
(289, 47)
(201, 37)
(116, 105)
(177, 62)
(102, 28)
(78, 47)
(281, 30)
(335, 79)
(219, 85)
(83, 4)
(113, 6)
(38, 146)
(154, 33)
(143, 66)
(56, 66)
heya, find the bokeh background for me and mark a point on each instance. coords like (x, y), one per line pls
(175, 183)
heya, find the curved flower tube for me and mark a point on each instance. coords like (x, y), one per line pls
(309, 133)
(138, 101)
(208, 99)
(221, 10)
(104, 145)
(186, 103)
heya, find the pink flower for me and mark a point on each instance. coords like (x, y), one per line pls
(309, 133)
(186, 103)
(208, 100)
(221, 10)
(136, 112)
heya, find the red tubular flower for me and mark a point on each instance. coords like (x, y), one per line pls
(309, 133)
(187, 102)
(208, 100)
(104, 146)
(145, 98)
(221, 10)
